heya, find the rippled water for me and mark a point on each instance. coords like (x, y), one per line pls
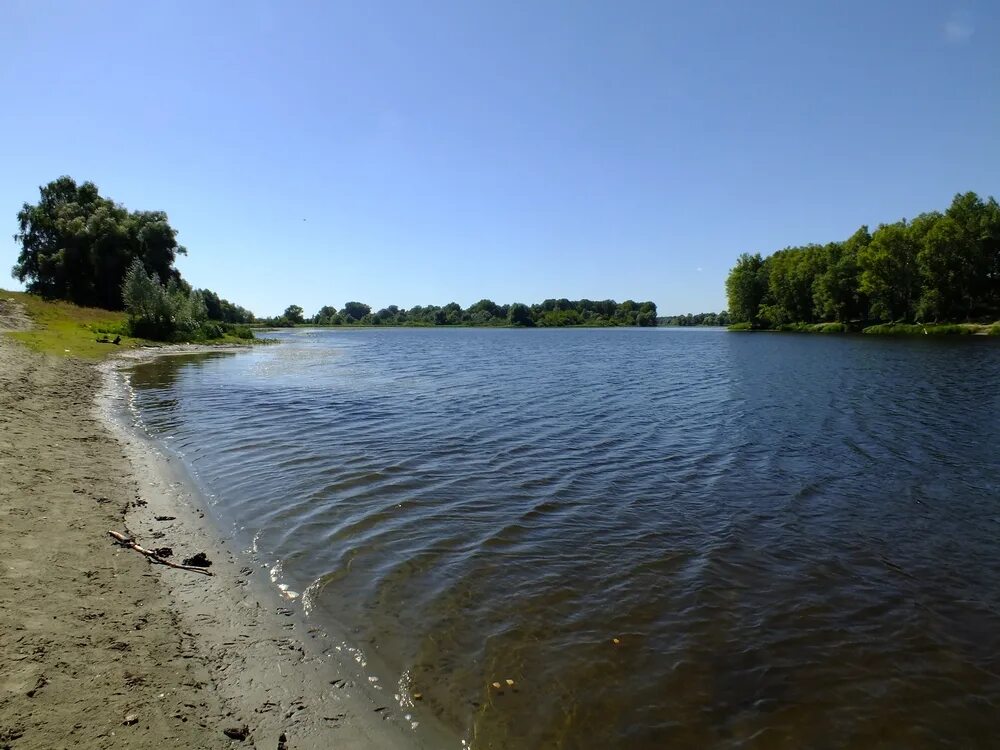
(794, 539)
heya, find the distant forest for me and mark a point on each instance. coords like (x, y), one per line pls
(551, 313)
(701, 319)
(937, 267)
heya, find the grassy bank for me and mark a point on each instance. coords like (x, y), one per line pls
(67, 330)
(885, 329)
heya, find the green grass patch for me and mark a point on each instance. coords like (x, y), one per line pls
(918, 329)
(67, 330)
(744, 326)
(831, 328)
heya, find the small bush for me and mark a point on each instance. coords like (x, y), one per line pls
(211, 330)
(241, 332)
(831, 328)
(745, 326)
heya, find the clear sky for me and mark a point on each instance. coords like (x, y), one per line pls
(428, 152)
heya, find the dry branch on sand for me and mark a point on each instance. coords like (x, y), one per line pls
(126, 542)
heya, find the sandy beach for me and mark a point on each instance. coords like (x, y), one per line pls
(103, 649)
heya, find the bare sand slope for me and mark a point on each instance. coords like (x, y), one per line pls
(92, 654)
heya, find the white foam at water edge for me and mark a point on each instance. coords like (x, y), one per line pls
(275, 575)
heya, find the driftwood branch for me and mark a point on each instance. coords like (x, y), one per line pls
(126, 542)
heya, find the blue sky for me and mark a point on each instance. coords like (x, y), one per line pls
(427, 152)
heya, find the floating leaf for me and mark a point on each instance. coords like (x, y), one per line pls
(616, 641)
(510, 683)
(496, 685)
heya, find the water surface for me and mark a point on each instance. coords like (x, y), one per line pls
(665, 538)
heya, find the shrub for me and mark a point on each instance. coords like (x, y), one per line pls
(831, 328)
(169, 313)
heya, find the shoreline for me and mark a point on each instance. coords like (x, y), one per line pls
(887, 329)
(286, 676)
(91, 644)
(103, 649)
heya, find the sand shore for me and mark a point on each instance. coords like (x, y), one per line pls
(102, 649)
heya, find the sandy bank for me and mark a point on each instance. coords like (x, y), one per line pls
(92, 635)
(87, 634)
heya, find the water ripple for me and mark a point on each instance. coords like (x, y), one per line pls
(791, 538)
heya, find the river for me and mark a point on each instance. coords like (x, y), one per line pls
(664, 537)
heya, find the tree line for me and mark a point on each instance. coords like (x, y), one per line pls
(699, 319)
(937, 267)
(548, 314)
(80, 246)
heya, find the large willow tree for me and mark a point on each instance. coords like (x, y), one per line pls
(77, 245)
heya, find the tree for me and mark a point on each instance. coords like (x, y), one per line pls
(646, 315)
(958, 260)
(889, 271)
(519, 315)
(355, 311)
(746, 286)
(452, 314)
(294, 314)
(156, 311)
(487, 306)
(836, 292)
(224, 310)
(77, 245)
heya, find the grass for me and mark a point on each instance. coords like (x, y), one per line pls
(67, 330)
(918, 329)
(886, 329)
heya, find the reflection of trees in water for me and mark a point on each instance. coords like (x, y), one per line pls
(154, 383)
(163, 372)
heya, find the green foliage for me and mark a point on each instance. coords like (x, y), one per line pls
(837, 289)
(168, 312)
(355, 311)
(294, 314)
(937, 267)
(889, 274)
(77, 245)
(746, 286)
(832, 328)
(902, 329)
(700, 319)
(519, 315)
(485, 312)
(744, 326)
(63, 329)
(224, 310)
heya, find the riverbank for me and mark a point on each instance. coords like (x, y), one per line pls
(93, 652)
(885, 329)
(106, 649)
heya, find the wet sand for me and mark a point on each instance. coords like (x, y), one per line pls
(102, 649)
